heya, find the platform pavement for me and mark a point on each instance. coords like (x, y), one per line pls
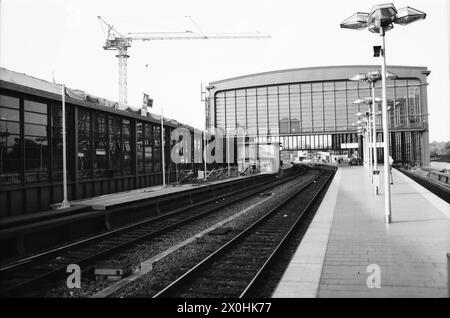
(103, 201)
(348, 233)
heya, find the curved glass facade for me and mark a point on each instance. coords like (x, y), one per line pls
(318, 107)
(320, 115)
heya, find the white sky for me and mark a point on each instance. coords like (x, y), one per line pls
(38, 37)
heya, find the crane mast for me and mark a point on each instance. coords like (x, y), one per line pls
(117, 41)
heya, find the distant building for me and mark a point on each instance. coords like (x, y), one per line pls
(312, 109)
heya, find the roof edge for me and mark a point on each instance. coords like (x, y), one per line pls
(312, 68)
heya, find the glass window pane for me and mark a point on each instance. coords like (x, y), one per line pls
(126, 147)
(273, 128)
(9, 114)
(8, 101)
(262, 111)
(317, 98)
(341, 110)
(251, 111)
(35, 106)
(140, 147)
(148, 148)
(100, 144)
(84, 154)
(115, 144)
(35, 130)
(9, 127)
(240, 109)
(329, 111)
(220, 110)
(306, 105)
(56, 143)
(34, 118)
(230, 107)
(10, 159)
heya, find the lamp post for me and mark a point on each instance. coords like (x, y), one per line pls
(205, 156)
(65, 203)
(370, 101)
(366, 128)
(362, 131)
(380, 20)
(372, 78)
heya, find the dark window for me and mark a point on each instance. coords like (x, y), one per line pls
(157, 147)
(115, 144)
(126, 147)
(36, 142)
(57, 162)
(140, 147)
(84, 144)
(148, 148)
(10, 149)
(100, 144)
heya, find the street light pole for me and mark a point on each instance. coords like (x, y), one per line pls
(369, 140)
(204, 153)
(163, 159)
(374, 129)
(65, 203)
(382, 18)
(387, 186)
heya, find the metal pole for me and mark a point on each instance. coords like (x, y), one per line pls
(65, 203)
(374, 122)
(204, 153)
(162, 149)
(243, 150)
(374, 138)
(228, 151)
(387, 187)
(369, 137)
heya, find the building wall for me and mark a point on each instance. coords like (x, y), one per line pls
(108, 150)
(308, 108)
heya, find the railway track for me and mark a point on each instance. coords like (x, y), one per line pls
(236, 268)
(18, 278)
(440, 190)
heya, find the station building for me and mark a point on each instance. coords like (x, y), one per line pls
(108, 149)
(312, 109)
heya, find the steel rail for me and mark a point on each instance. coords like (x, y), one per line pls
(59, 271)
(194, 272)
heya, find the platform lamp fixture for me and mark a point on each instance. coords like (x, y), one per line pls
(380, 20)
(372, 78)
(368, 140)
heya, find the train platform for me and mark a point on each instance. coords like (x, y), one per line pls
(349, 251)
(108, 200)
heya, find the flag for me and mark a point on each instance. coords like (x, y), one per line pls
(147, 102)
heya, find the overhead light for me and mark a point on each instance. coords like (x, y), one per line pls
(359, 77)
(357, 21)
(408, 15)
(382, 15)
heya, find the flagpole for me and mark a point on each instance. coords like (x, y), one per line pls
(162, 149)
(65, 203)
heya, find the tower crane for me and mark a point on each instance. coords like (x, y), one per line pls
(121, 42)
